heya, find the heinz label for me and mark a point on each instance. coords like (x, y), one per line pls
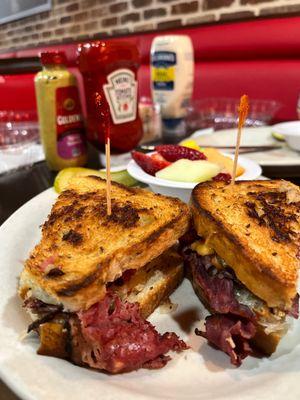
(121, 95)
(69, 123)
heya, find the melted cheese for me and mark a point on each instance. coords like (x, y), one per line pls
(202, 248)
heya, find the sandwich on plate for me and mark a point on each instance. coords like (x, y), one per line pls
(93, 279)
(244, 263)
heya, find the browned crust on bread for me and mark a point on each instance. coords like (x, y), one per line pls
(267, 344)
(53, 339)
(220, 215)
(72, 289)
(158, 296)
(142, 226)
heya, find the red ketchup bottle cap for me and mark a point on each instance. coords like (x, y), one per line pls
(53, 57)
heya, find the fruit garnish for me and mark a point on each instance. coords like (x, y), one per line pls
(191, 144)
(174, 152)
(189, 171)
(64, 176)
(278, 136)
(149, 164)
(222, 177)
(122, 177)
(226, 163)
(158, 157)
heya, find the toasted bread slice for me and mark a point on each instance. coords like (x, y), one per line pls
(53, 339)
(267, 343)
(82, 248)
(153, 283)
(149, 287)
(254, 227)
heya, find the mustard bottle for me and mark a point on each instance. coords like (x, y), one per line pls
(59, 113)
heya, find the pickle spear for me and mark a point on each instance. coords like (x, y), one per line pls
(65, 175)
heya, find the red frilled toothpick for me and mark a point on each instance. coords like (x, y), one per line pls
(243, 112)
(108, 177)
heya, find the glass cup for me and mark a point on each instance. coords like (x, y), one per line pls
(18, 128)
(150, 115)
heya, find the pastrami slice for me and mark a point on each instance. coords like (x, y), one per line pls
(294, 311)
(218, 290)
(229, 334)
(113, 336)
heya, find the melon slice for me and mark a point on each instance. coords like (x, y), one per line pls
(189, 171)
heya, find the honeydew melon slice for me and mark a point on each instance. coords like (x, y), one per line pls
(189, 171)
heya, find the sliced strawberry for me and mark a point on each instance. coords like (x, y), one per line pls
(150, 164)
(159, 157)
(174, 152)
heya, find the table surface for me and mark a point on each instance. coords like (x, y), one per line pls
(17, 187)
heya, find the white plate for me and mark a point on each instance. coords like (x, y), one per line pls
(283, 127)
(290, 131)
(199, 373)
(183, 190)
(254, 137)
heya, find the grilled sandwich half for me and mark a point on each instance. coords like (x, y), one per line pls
(93, 279)
(244, 263)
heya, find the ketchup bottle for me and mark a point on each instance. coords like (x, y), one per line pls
(109, 70)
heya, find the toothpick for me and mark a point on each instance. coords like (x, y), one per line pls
(108, 177)
(106, 116)
(243, 112)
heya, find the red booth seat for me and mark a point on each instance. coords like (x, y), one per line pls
(259, 57)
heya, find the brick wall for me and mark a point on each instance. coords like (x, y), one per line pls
(82, 19)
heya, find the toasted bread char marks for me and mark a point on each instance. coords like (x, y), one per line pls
(73, 237)
(91, 248)
(269, 209)
(255, 227)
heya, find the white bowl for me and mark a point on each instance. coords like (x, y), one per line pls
(183, 190)
(291, 133)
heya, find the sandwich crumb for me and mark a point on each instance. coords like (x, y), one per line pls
(166, 307)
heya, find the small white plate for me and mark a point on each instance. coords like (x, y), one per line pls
(198, 373)
(290, 131)
(284, 156)
(183, 190)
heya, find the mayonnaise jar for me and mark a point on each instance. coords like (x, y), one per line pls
(172, 74)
